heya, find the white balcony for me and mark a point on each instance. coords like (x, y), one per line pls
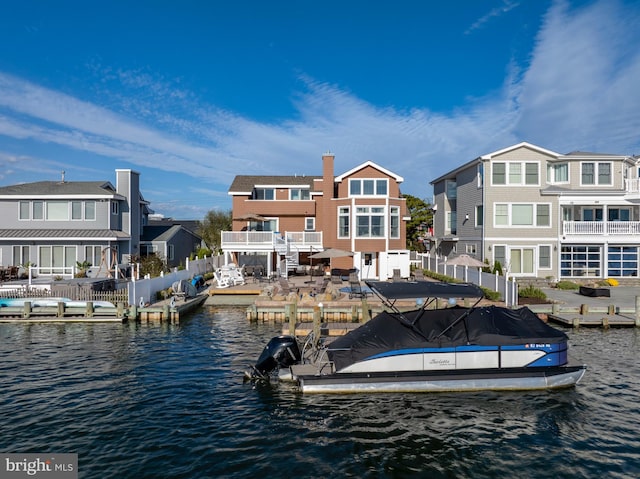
(632, 185)
(270, 240)
(600, 228)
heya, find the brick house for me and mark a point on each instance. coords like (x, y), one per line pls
(279, 221)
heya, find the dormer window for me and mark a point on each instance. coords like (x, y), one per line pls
(368, 187)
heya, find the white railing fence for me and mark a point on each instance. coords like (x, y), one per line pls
(508, 288)
(144, 290)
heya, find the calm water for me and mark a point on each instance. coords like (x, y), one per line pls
(157, 401)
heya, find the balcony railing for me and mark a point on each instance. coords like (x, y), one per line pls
(632, 185)
(271, 239)
(610, 228)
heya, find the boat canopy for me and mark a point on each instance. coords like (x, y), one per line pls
(442, 328)
(424, 289)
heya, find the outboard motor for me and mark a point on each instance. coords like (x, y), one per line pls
(281, 351)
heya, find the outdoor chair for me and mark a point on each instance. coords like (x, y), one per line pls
(286, 287)
(356, 291)
(396, 276)
(321, 286)
(221, 281)
(418, 275)
(13, 273)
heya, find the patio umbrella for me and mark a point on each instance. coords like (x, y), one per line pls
(466, 260)
(251, 217)
(331, 253)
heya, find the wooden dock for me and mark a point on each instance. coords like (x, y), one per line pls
(583, 315)
(163, 312)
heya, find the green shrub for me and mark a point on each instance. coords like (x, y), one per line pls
(564, 284)
(532, 292)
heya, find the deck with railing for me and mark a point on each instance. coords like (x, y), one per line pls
(601, 228)
(269, 240)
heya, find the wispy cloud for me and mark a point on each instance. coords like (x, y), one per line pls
(578, 91)
(507, 5)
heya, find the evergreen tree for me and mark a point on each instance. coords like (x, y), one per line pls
(421, 219)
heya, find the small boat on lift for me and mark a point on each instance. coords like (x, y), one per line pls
(427, 350)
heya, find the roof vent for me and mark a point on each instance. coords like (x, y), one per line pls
(62, 180)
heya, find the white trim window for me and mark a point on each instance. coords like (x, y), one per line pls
(24, 210)
(20, 255)
(515, 173)
(57, 259)
(544, 256)
(57, 211)
(93, 254)
(89, 210)
(268, 194)
(452, 222)
(368, 186)
(299, 194)
(394, 222)
(310, 224)
(344, 219)
(37, 210)
(557, 173)
(479, 219)
(518, 215)
(114, 208)
(370, 222)
(594, 173)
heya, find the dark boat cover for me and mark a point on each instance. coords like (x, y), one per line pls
(425, 289)
(483, 326)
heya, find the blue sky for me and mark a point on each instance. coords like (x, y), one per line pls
(192, 93)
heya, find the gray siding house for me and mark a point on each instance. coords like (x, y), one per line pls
(55, 224)
(172, 242)
(542, 214)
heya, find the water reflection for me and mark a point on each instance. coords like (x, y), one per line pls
(145, 400)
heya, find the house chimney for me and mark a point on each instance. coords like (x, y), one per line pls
(327, 175)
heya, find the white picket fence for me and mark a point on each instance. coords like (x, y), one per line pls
(508, 288)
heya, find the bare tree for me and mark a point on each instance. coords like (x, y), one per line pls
(210, 227)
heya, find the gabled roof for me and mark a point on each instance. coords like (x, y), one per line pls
(191, 225)
(523, 144)
(244, 184)
(163, 232)
(59, 189)
(453, 173)
(398, 178)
